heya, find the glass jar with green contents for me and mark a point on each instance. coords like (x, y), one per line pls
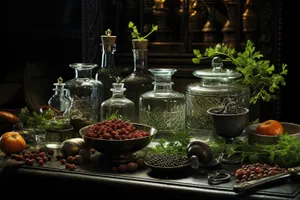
(215, 85)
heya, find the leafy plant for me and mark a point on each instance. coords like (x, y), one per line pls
(43, 120)
(284, 153)
(135, 33)
(259, 75)
(177, 144)
(117, 116)
(32, 119)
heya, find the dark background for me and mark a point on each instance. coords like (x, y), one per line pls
(48, 32)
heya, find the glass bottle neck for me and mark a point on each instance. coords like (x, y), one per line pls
(140, 60)
(119, 94)
(83, 73)
(59, 91)
(163, 86)
(108, 56)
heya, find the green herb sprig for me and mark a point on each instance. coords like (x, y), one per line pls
(258, 74)
(284, 153)
(32, 119)
(135, 33)
(176, 144)
(117, 116)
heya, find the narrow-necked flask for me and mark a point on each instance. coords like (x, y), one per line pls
(60, 102)
(140, 80)
(118, 105)
(108, 72)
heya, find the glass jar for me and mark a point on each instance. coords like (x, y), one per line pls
(163, 108)
(216, 84)
(60, 102)
(86, 93)
(140, 80)
(118, 105)
(108, 72)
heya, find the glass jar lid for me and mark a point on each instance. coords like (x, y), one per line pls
(217, 71)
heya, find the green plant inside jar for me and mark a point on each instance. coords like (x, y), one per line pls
(258, 74)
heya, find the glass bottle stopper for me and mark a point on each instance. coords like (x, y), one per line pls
(217, 64)
(108, 39)
(118, 87)
(60, 80)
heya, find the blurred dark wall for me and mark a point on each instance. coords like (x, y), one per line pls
(290, 50)
(44, 32)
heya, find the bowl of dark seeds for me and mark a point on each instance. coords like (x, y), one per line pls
(167, 163)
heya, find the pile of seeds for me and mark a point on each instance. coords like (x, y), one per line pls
(166, 160)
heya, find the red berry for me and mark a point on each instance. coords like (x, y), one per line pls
(70, 159)
(41, 162)
(132, 167)
(45, 159)
(51, 152)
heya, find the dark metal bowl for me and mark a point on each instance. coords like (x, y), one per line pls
(253, 137)
(228, 125)
(120, 147)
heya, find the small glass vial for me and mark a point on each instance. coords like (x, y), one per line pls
(60, 102)
(118, 105)
(163, 108)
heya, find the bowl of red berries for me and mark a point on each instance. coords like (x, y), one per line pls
(117, 137)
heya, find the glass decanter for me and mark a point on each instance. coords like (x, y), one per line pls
(60, 102)
(163, 108)
(118, 105)
(215, 85)
(108, 72)
(140, 80)
(86, 93)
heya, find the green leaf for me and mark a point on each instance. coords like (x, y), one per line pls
(130, 24)
(258, 74)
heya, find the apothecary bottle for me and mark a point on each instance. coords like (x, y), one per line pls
(118, 105)
(60, 102)
(108, 72)
(140, 80)
(163, 108)
(86, 93)
(216, 84)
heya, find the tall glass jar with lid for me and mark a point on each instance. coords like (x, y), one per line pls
(108, 72)
(86, 93)
(118, 105)
(140, 80)
(216, 84)
(163, 108)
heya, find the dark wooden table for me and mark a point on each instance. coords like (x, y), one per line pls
(97, 177)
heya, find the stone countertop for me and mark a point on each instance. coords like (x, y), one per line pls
(97, 174)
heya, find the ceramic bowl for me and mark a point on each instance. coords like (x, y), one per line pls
(253, 137)
(119, 147)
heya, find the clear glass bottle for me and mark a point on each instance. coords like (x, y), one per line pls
(118, 104)
(216, 85)
(163, 108)
(60, 102)
(108, 72)
(86, 93)
(140, 80)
